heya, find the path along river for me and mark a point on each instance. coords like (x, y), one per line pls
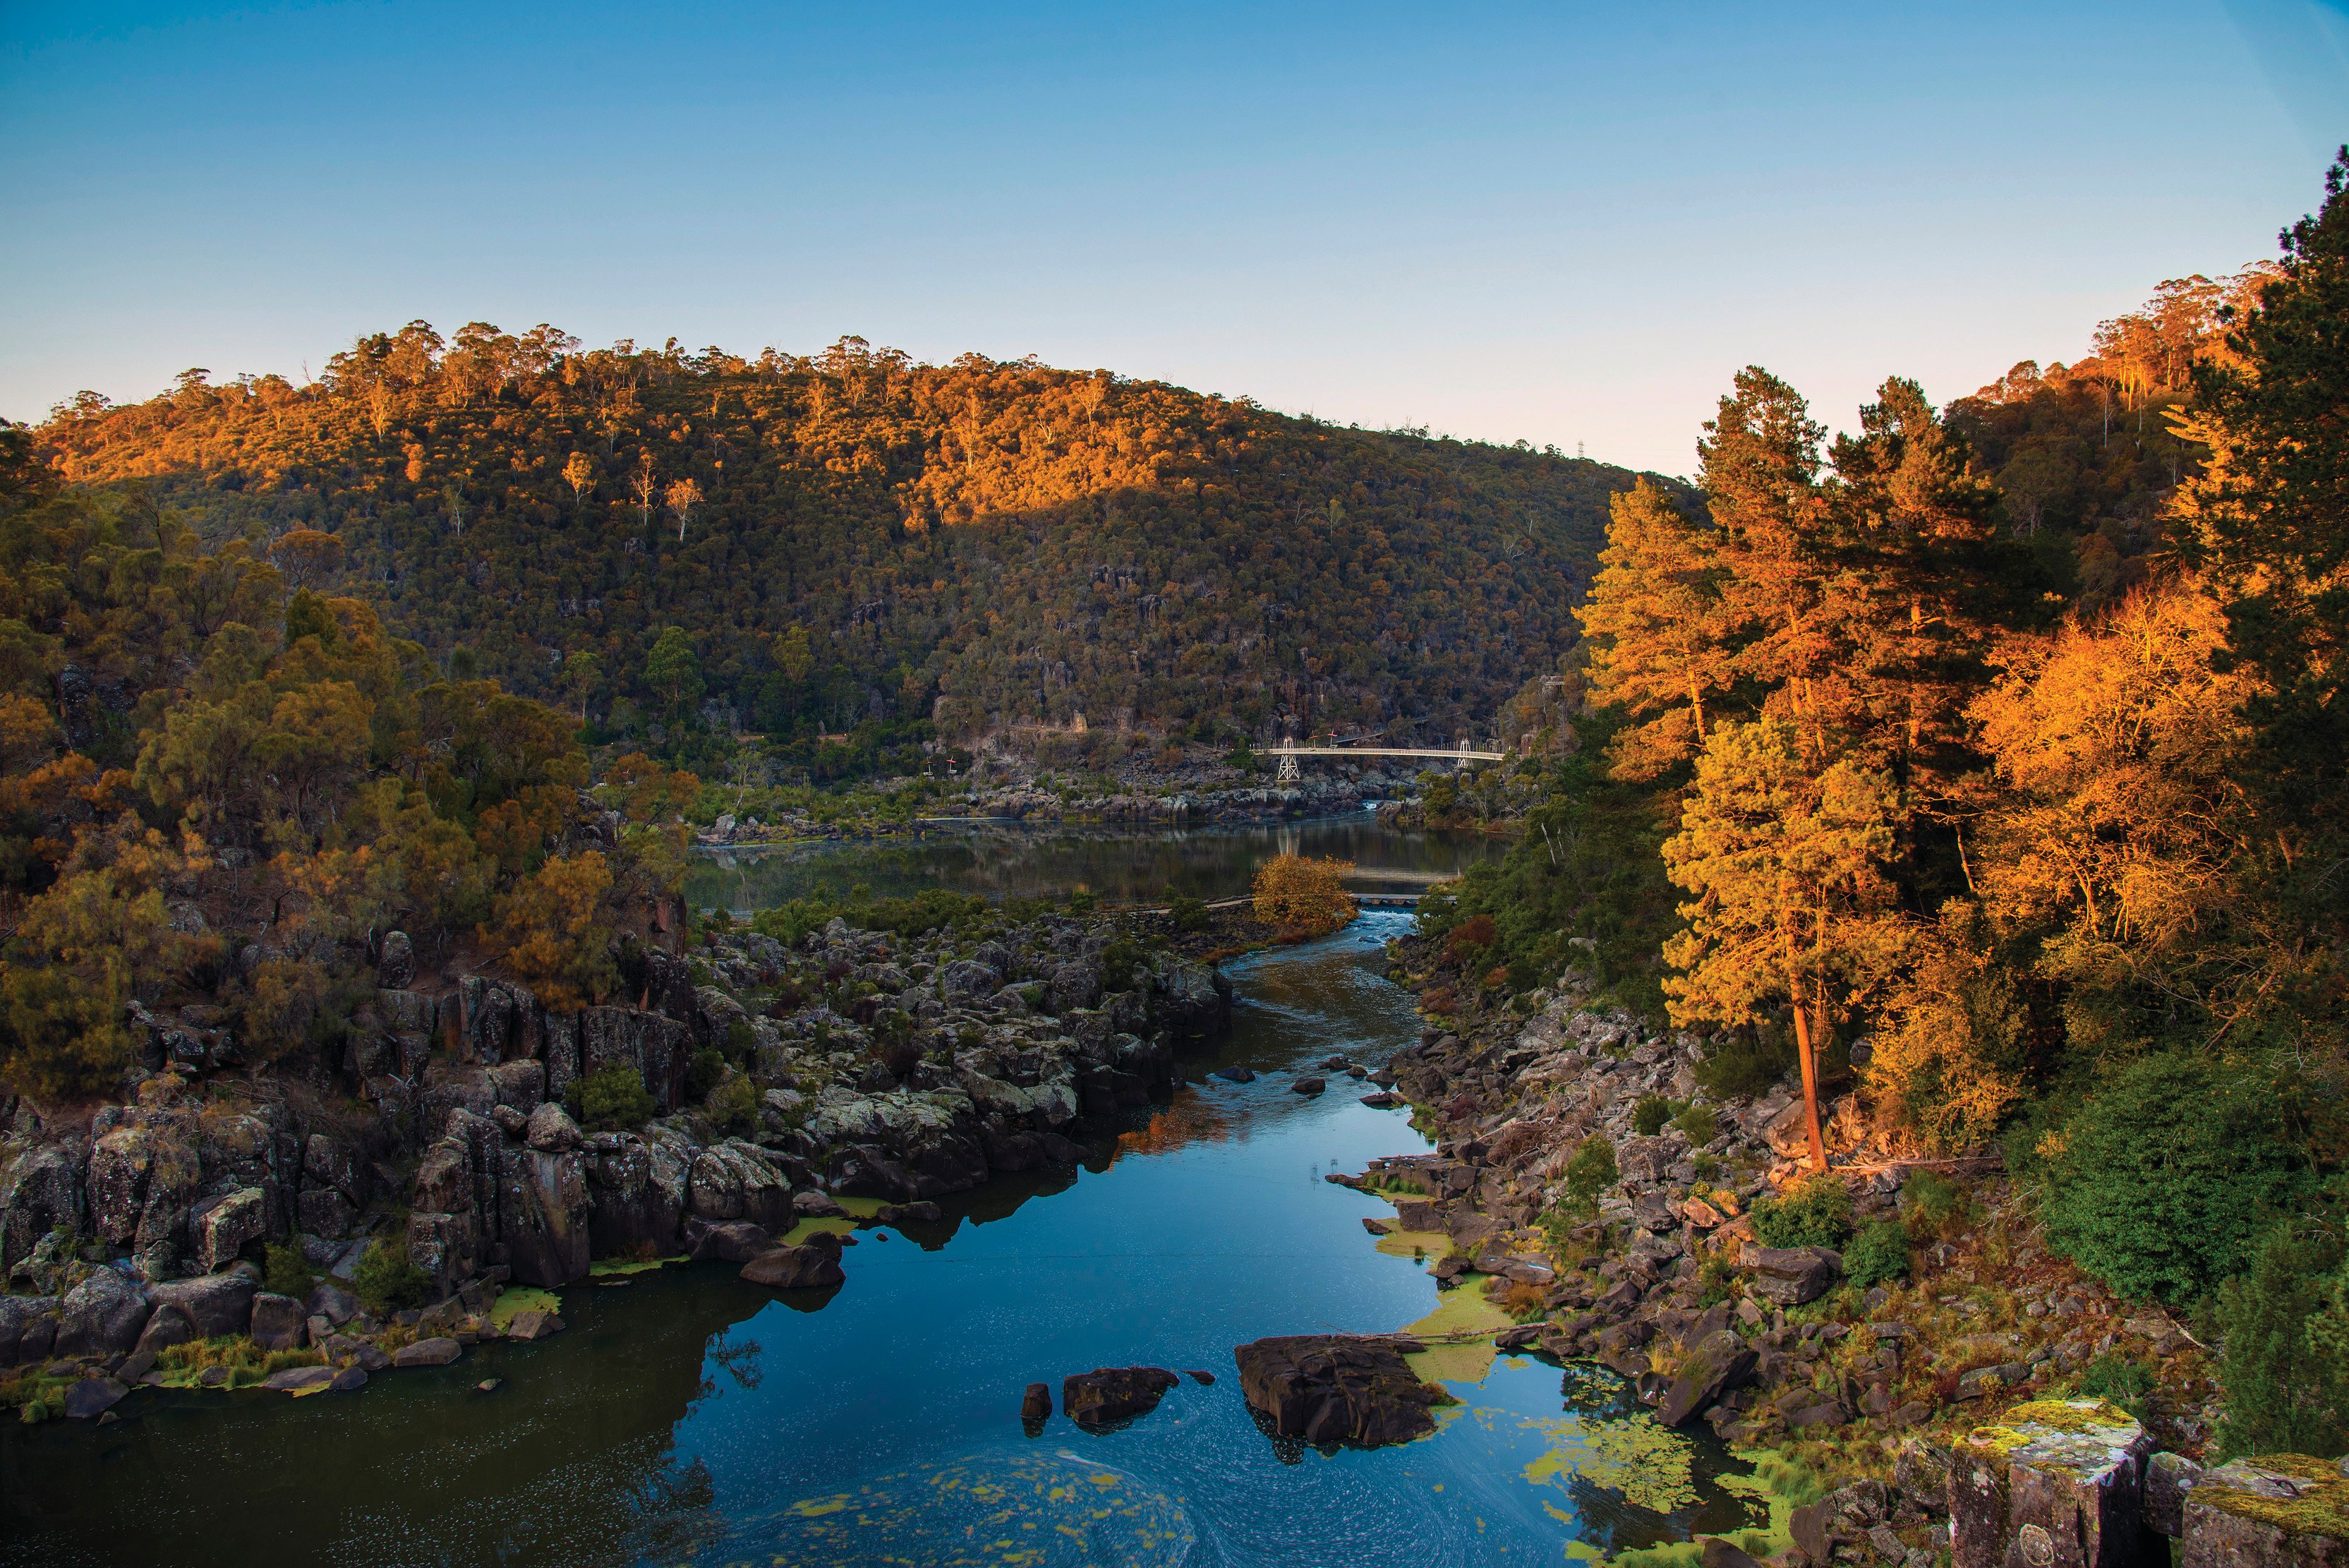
(689, 1417)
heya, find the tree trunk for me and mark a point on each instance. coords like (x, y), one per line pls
(1804, 1046)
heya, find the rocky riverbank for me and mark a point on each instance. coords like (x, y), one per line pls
(1976, 1366)
(778, 1095)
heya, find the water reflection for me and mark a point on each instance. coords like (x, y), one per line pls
(690, 1417)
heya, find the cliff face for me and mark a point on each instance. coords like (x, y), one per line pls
(943, 1062)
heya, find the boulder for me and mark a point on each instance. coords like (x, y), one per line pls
(734, 1242)
(215, 1304)
(1721, 1363)
(817, 1205)
(638, 1192)
(796, 1269)
(1309, 1086)
(1719, 1554)
(2055, 1484)
(1036, 1404)
(102, 1316)
(551, 1129)
(27, 1328)
(533, 1323)
(226, 1228)
(300, 1379)
(166, 1326)
(330, 1301)
(93, 1397)
(1788, 1133)
(2282, 1510)
(395, 969)
(1792, 1275)
(278, 1322)
(427, 1353)
(1338, 1388)
(1110, 1396)
(350, 1379)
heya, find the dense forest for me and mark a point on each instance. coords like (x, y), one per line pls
(854, 538)
(1996, 758)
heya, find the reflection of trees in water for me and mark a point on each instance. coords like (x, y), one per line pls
(1190, 1119)
(572, 1461)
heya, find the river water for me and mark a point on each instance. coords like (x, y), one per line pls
(689, 1417)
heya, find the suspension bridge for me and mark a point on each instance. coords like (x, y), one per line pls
(1289, 752)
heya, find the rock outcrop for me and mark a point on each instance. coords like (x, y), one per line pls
(1338, 1389)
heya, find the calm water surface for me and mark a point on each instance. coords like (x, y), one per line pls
(691, 1418)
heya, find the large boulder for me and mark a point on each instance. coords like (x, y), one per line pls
(215, 1304)
(40, 1192)
(638, 1189)
(727, 1241)
(796, 1269)
(966, 981)
(1110, 1396)
(28, 1327)
(1792, 1275)
(545, 1213)
(735, 1180)
(2055, 1484)
(224, 1228)
(278, 1322)
(1338, 1388)
(1719, 1365)
(102, 1316)
(2282, 1510)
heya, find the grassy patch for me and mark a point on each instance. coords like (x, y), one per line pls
(243, 1362)
(512, 1304)
(605, 1268)
(1464, 1309)
(798, 1234)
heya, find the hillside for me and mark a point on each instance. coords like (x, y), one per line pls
(854, 537)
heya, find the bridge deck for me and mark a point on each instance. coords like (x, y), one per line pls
(1454, 755)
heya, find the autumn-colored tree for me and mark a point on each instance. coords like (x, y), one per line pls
(1792, 907)
(553, 933)
(682, 497)
(649, 791)
(583, 677)
(306, 555)
(579, 473)
(2124, 836)
(1653, 619)
(1302, 896)
(1952, 1050)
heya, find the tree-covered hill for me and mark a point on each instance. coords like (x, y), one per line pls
(856, 537)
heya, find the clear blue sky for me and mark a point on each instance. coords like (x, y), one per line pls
(1568, 224)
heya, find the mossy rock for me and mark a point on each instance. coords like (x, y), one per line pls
(2058, 1483)
(2286, 1510)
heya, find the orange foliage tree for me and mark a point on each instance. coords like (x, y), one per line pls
(1302, 897)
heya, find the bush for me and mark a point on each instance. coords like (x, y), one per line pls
(1931, 1202)
(734, 1105)
(614, 1100)
(2160, 1184)
(1648, 1118)
(2286, 1374)
(1189, 914)
(388, 1280)
(704, 1073)
(1816, 1213)
(1592, 1172)
(2128, 1383)
(1878, 1254)
(1740, 1065)
(1303, 897)
(1698, 1124)
(287, 1274)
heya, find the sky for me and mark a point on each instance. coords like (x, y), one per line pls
(1563, 223)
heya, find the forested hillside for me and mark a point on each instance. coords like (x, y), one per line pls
(855, 537)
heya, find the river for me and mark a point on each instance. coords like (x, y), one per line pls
(689, 1417)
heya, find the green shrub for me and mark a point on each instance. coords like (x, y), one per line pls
(287, 1274)
(2159, 1185)
(1648, 1118)
(388, 1280)
(1816, 1213)
(2127, 1382)
(1931, 1201)
(1878, 1254)
(704, 1073)
(1189, 914)
(2286, 1374)
(1592, 1172)
(740, 1040)
(1698, 1124)
(614, 1100)
(1741, 1064)
(734, 1105)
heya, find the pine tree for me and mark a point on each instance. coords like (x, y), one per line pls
(1653, 622)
